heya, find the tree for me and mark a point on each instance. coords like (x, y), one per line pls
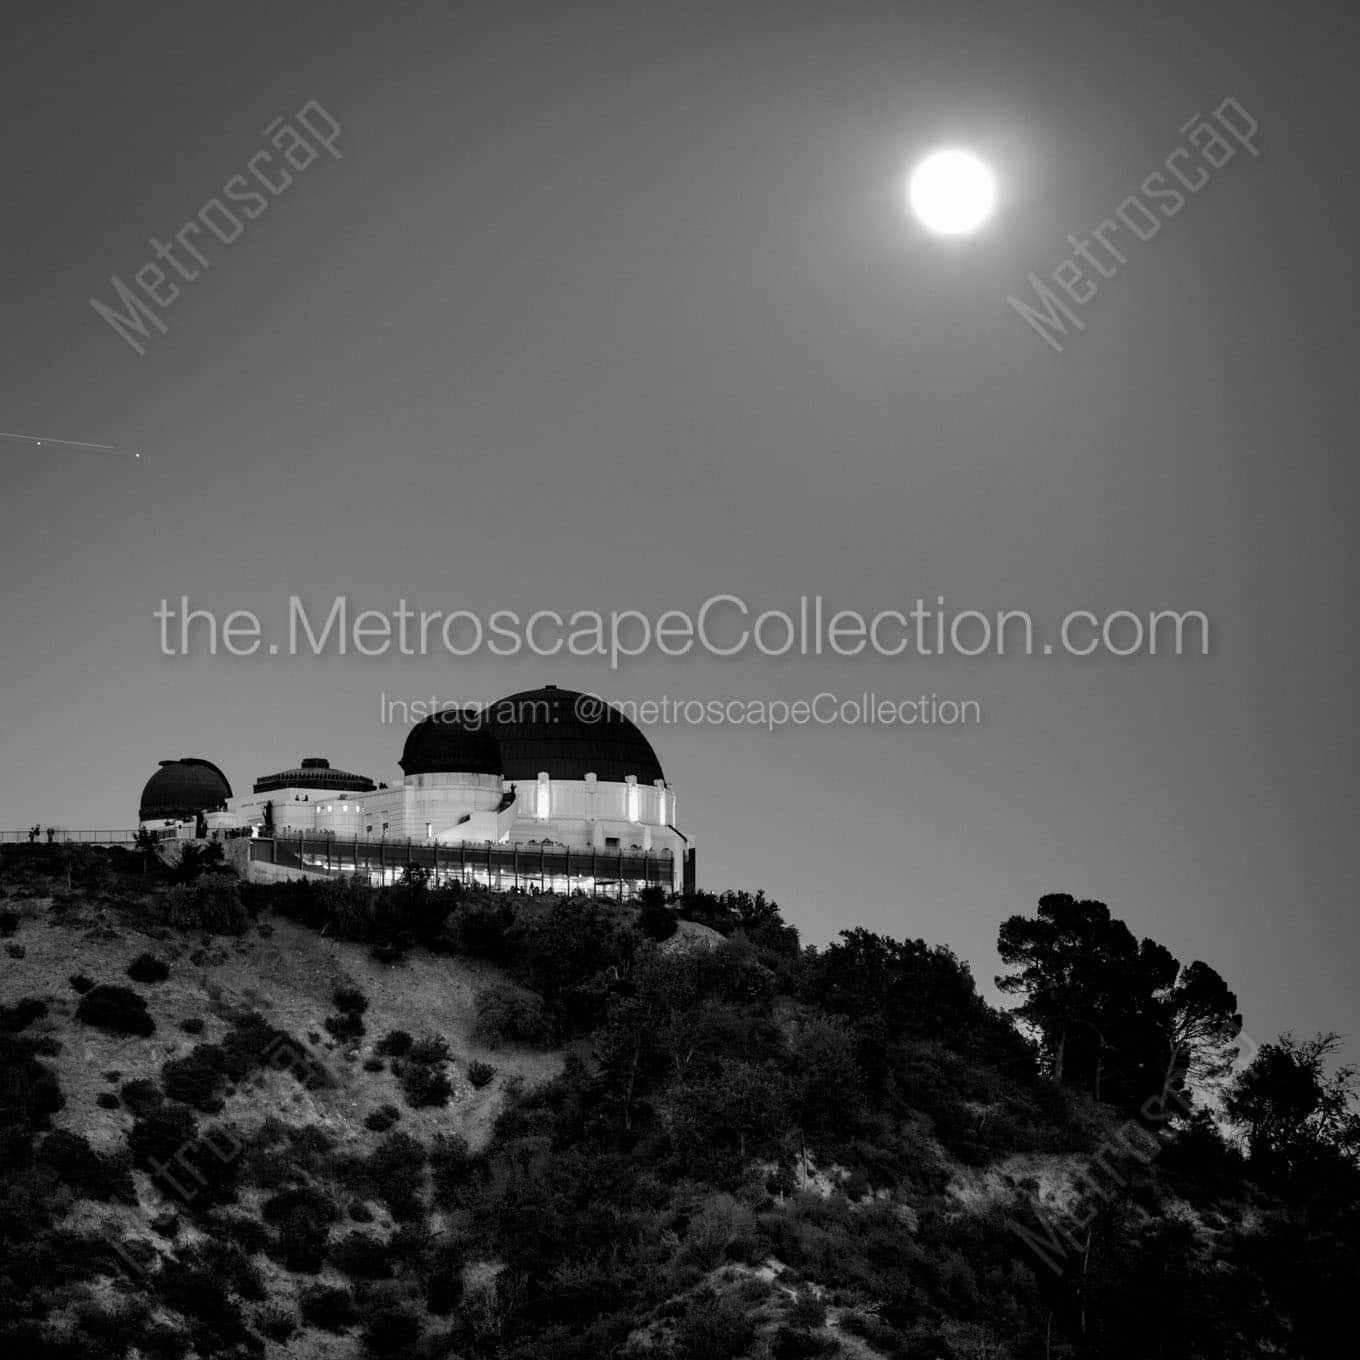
(1295, 1115)
(1202, 1024)
(1065, 956)
(1114, 1014)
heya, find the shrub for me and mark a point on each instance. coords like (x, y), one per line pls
(391, 1332)
(192, 1025)
(9, 922)
(346, 1025)
(450, 1167)
(657, 921)
(194, 1078)
(395, 1044)
(716, 1329)
(148, 968)
(481, 1074)
(106, 1100)
(213, 903)
(22, 1014)
(165, 1142)
(16, 951)
(360, 1212)
(350, 1000)
(119, 1010)
(87, 1172)
(430, 1049)
(506, 1013)
(275, 1322)
(373, 1065)
(362, 1256)
(329, 1309)
(444, 1289)
(397, 1168)
(141, 1095)
(382, 1118)
(80, 982)
(425, 1086)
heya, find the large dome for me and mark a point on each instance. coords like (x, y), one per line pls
(453, 741)
(535, 730)
(183, 788)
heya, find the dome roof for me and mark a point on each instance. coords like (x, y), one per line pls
(315, 773)
(454, 741)
(543, 729)
(539, 729)
(183, 788)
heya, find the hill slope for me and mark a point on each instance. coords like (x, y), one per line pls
(346, 1123)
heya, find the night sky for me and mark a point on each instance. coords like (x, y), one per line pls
(618, 307)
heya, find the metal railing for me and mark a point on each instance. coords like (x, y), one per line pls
(61, 836)
(551, 868)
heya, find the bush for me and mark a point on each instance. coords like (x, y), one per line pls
(657, 921)
(148, 968)
(481, 1074)
(212, 904)
(362, 1256)
(80, 982)
(382, 1118)
(347, 1025)
(444, 1289)
(450, 1167)
(106, 1100)
(430, 1049)
(141, 1096)
(275, 1322)
(397, 1168)
(350, 1000)
(192, 1025)
(373, 1064)
(194, 1078)
(90, 1174)
(425, 1086)
(360, 1212)
(119, 1010)
(506, 1013)
(716, 1329)
(330, 1309)
(395, 1044)
(22, 1014)
(391, 1332)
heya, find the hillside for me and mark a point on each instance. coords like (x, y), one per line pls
(455, 1125)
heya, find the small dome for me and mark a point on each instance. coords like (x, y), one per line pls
(181, 789)
(315, 773)
(455, 741)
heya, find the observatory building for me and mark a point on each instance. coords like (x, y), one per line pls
(527, 772)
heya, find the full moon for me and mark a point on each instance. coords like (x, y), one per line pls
(952, 192)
